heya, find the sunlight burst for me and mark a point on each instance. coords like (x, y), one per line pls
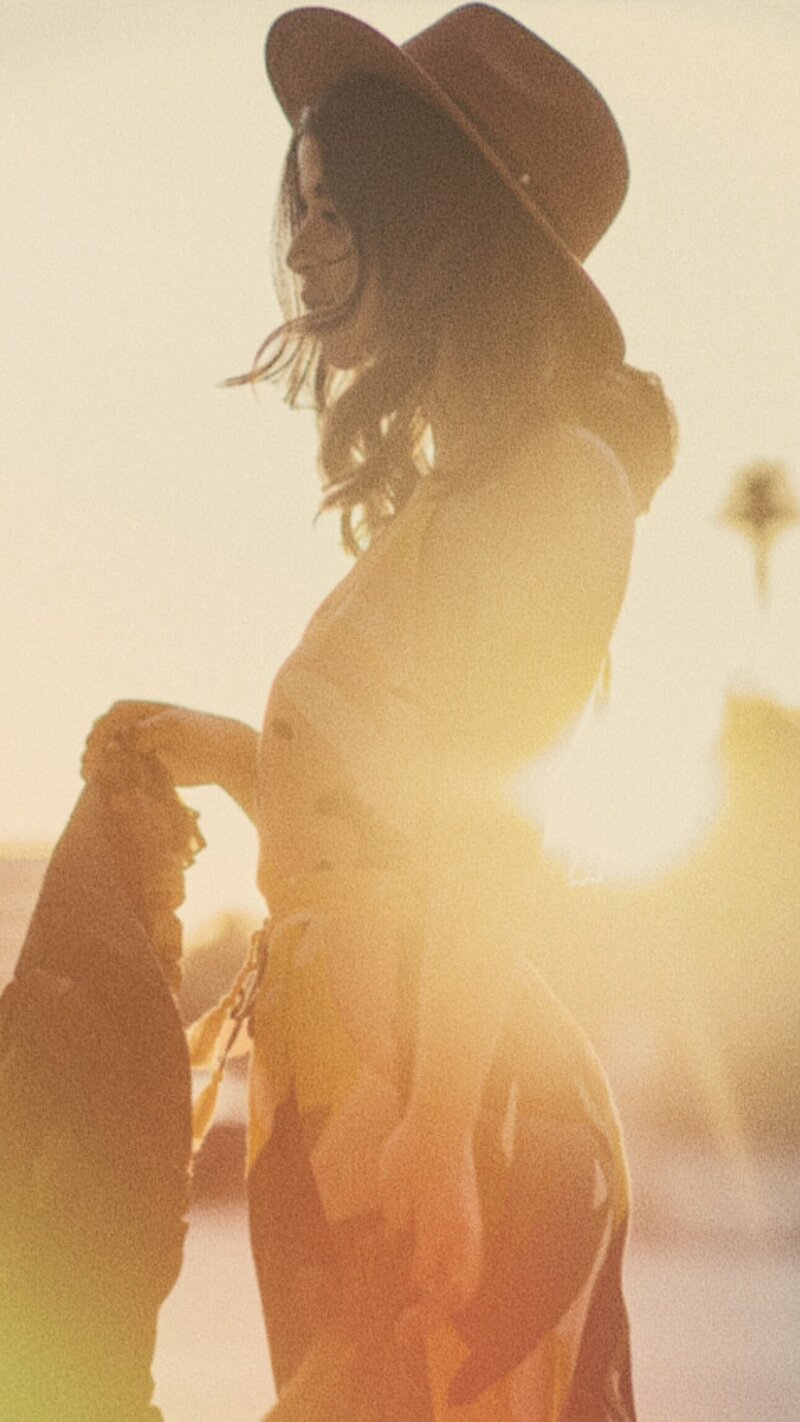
(619, 806)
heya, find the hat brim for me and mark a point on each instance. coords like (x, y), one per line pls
(310, 49)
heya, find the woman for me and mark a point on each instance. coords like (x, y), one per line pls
(437, 1183)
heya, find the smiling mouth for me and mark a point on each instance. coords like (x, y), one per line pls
(314, 299)
(320, 306)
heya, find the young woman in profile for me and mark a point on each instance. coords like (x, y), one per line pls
(437, 1184)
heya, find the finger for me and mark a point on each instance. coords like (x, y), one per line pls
(150, 734)
(124, 712)
(94, 756)
(121, 724)
(162, 737)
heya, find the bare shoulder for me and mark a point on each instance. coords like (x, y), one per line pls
(564, 503)
(571, 473)
(564, 498)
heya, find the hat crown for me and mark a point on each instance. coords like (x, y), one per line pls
(539, 122)
(543, 118)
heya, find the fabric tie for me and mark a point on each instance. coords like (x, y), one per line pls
(376, 896)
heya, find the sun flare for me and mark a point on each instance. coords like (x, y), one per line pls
(622, 807)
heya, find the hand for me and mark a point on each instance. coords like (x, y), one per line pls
(428, 1182)
(195, 747)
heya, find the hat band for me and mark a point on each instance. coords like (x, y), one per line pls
(476, 74)
(515, 168)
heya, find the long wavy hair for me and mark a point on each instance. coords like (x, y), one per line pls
(459, 261)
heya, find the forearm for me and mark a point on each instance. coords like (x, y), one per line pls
(237, 773)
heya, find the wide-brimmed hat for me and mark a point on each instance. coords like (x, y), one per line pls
(535, 117)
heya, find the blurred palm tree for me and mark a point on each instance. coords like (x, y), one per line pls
(762, 506)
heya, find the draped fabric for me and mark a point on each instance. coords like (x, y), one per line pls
(95, 1110)
(354, 763)
(547, 1334)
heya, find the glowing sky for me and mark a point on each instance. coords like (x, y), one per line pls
(157, 531)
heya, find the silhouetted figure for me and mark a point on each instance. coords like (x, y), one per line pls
(437, 1182)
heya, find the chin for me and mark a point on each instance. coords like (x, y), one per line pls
(355, 342)
(342, 352)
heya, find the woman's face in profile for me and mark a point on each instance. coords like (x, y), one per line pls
(323, 255)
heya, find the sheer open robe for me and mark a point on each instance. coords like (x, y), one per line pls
(456, 646)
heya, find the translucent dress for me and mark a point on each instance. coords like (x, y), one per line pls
(370, 724)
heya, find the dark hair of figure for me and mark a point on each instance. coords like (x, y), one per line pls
(460, 263)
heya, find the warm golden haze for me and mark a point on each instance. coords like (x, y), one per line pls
(137, 486)
(160, 544)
